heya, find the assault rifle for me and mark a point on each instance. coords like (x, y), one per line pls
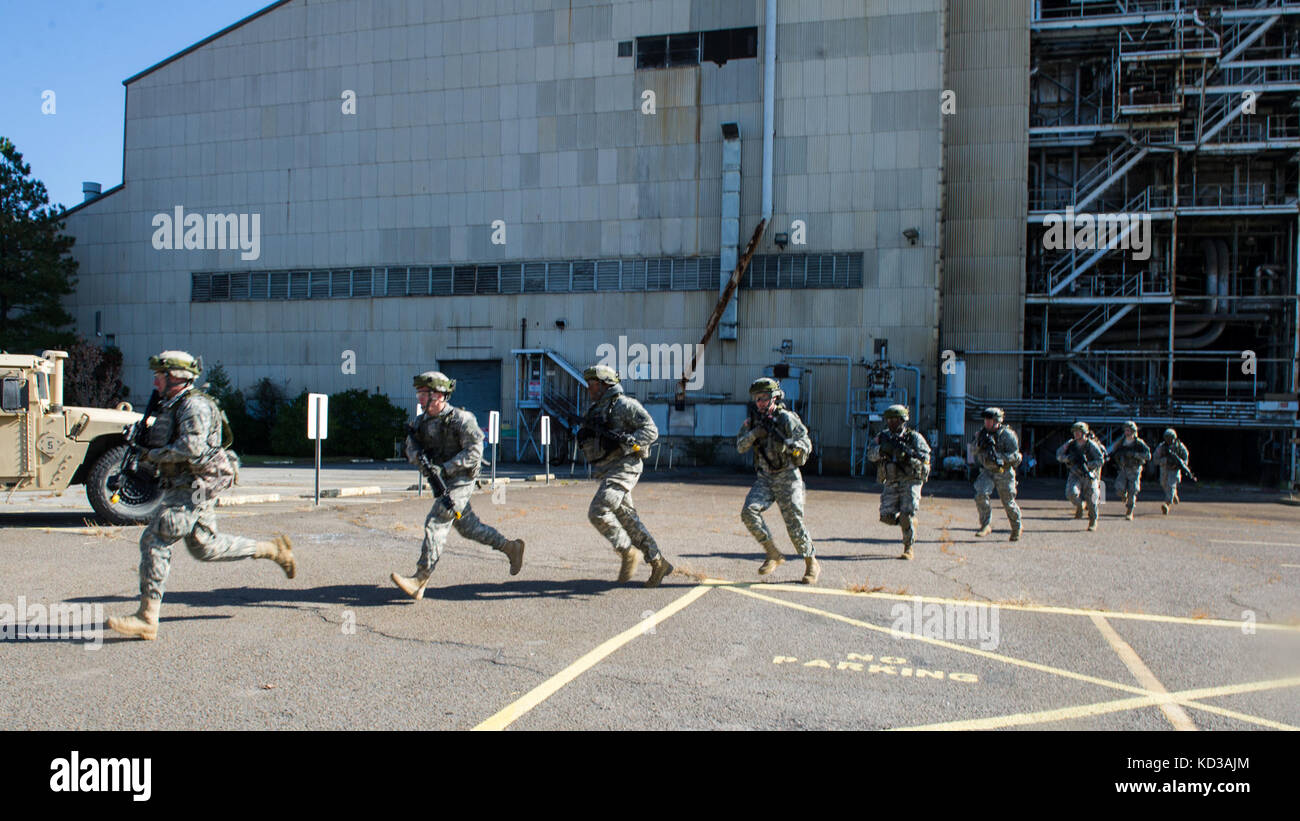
(433, 473)
(768, 424)
(1179, 463)
(987, 441)
(896, 443)
(135, 439)
(609, 440)
(1078, 461)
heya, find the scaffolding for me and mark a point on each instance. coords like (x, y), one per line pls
(1163, 230)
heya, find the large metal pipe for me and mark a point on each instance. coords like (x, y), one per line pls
(769, 104)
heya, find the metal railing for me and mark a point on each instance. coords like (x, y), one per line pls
(1227, 195)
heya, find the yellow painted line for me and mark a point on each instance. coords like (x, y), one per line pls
(1028, 608)
(1101, 708)
(1177, 715)
(546, 689)
(1043, 717)
(1042, 668)
(1263, 722)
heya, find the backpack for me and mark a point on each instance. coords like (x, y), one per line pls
(216, 470)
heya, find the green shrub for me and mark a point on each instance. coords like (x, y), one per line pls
(360, 424)
(252, 417)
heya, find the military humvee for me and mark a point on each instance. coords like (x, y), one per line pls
(46, 446)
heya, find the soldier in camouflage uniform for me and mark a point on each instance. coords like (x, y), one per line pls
(998, 452)
(451, 437)
(615, 437)
(185, 444)
(901, 473)
(781, 445)
(1085, 457)
(1130, 455)
(1166, 457)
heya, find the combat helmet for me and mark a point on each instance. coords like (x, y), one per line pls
(1171, 435)
(897, 412)
(1083, 426)
(177, 364)
(1131, 425)
(435, 380)
(601, 373)
(993, 413)
(766, 384)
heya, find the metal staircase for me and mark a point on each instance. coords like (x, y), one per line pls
(1093, 182)
(546, 384)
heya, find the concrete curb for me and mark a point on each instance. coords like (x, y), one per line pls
(248, 499)
(337, 492)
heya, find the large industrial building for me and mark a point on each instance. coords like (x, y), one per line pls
(512, 189)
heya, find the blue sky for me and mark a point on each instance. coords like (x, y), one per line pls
(82, 50)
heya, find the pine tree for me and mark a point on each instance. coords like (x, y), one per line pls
(36, 271)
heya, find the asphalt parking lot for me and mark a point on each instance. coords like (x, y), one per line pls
(1169, 622)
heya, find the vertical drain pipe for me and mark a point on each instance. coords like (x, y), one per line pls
(769, 104)
(730, 244)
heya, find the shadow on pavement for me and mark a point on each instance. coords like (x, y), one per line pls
(53, 518)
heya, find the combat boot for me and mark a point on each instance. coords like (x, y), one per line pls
(280, 551)
(1078, 511)
(514, 550)
(631, 558)
(1129, 514)
(1015, 533)
(142, 623)
(413, 586)
(659, 568)
(1164, 508)
(985, 530)
(774, 559)
(812, 570)
(907, 553)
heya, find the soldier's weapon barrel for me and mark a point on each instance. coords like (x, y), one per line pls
(436, 484)
(135, 438)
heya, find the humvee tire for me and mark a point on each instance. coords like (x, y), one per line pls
(139, 499)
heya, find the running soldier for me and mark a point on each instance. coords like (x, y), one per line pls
(998, 452)
(186, 445)
(781, 445)
(615, 437)
(1171, 458)
(449, 441)
(902, 458)
(1085, 457)
(1130, 455)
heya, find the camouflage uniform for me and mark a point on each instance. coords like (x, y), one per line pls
(185, 433)
(1002, 478)
(779, 479)
(612, 512)
(1129, 458)
(185, 444)
(1082, 486)
(454, 441)
(1170, 474)
(902, 478)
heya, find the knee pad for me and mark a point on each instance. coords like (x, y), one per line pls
(889, 518)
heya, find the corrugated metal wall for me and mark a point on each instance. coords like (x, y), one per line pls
(986, 166)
